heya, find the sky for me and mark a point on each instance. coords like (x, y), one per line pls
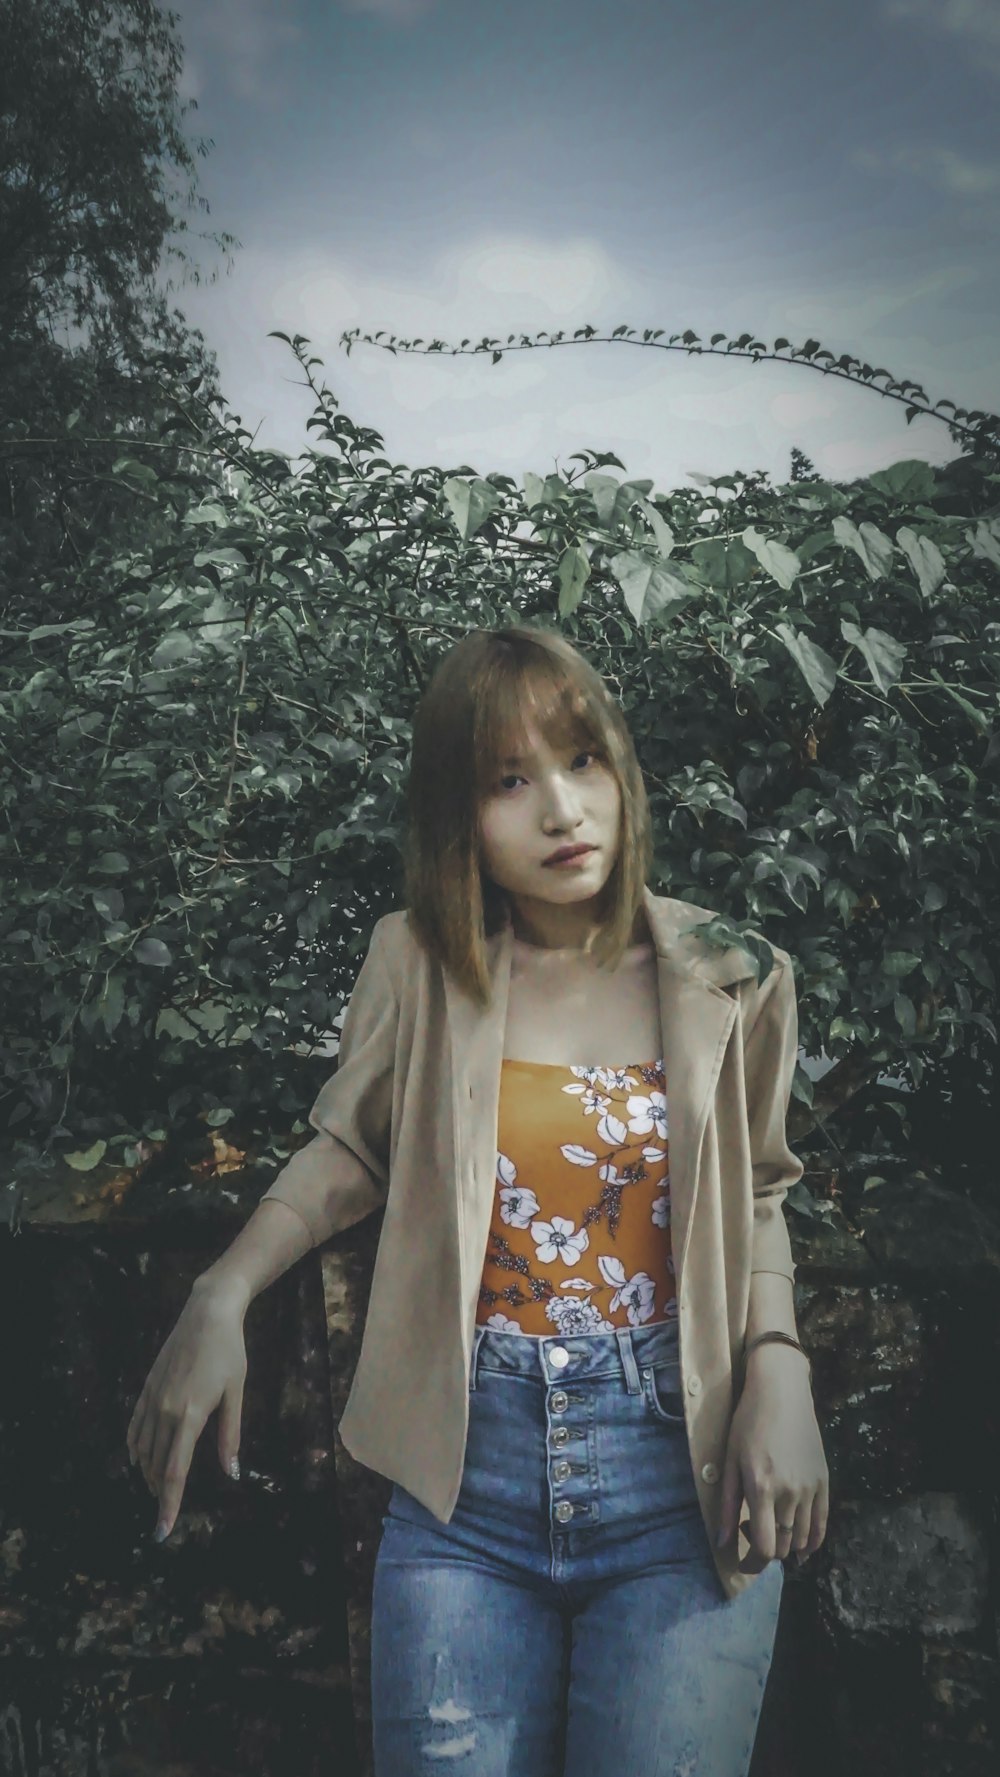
(452, 168)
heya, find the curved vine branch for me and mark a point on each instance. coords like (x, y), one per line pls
(982, 428)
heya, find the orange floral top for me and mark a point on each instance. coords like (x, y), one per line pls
(579, 1239)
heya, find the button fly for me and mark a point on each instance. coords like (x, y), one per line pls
(559, 1401)
(560, 1436)
(564, 1511)
(560, 1471)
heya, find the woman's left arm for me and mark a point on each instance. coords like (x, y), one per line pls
(774, 1456)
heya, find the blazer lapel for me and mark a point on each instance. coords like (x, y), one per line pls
(697, 1015)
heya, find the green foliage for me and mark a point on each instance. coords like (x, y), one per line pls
(97, 179)
(204, 761)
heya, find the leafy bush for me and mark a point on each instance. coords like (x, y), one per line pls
(204, 763)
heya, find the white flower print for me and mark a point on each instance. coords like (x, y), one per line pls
(576, 1153)
(648, 1111)
(591, 1099)
(517, 1206)
(661, 1211)
(634, 1293)
(576, 1317)
(578, 1283)
(612, 1130)
(502, 1324)
(506, 1170)
(559, 1239)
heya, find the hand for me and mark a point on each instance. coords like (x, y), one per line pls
(202, 1363)
(775, 1462)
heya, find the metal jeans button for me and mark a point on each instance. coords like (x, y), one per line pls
(559, 1401)
(564, 1511)
(560, 1436)
(560, 1470)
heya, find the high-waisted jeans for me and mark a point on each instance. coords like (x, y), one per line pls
(569, 1620)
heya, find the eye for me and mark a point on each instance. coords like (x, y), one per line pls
(512, 777)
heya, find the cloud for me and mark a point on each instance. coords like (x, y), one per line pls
(939, 166)
(395, 12)
(975, 23)
(244, 39)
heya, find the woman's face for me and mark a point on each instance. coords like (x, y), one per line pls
(545, 800)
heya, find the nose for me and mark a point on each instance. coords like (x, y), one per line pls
(561, 802)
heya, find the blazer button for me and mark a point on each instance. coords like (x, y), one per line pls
(694, 1385)
(709, 1472)
(470, 1091)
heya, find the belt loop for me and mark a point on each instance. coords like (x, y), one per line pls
(629, 1365)
(477, 1339)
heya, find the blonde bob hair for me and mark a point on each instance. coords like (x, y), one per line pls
(471, 716)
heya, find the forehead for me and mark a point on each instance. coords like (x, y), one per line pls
(534, 747)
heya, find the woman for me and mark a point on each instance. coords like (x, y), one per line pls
(580, 1355)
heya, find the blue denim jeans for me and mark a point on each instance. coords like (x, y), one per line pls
(569, 1620)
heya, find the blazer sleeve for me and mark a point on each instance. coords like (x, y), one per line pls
(343, 1173)
(770, 1053)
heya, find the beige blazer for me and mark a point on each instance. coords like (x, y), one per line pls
(408, 1123)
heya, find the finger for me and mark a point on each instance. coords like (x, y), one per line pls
(760, 1500)
(230, 1415)
(732, 1494)
(135, 1427)
(752, 1561)
(166, 1427)
(787, 1516)
(818, 1519)
(175, 1470)
(801, 1523)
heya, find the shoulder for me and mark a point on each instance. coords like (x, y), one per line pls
(393, 941)
(724, 963)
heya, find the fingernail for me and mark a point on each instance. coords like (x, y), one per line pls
(234, 1467)
(161, 1533)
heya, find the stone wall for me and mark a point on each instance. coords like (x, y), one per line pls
(241, 1644)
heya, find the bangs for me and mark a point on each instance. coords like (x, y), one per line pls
(531, 692)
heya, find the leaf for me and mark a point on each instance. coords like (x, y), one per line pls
(924, 557)
(611, 1269)
(576, 1154)
(650, 588)
(471, 504)
(112, 863)
(574, 571)
(775, 558)
(985, 540)
(660, 528)
(84, 1160)
(174, 648)
(813, 662)
(871, 545)
(910, 481)
(899, 962)
(885, 656)
(726, 565)
(154, 952)
(604, 491)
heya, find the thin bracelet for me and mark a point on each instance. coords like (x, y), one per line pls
(295, 1212)
(774, 1336)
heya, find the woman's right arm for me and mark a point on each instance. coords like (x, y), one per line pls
(335, 1180)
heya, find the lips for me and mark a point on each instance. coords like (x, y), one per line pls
(568, 851)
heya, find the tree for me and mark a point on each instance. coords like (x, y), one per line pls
(96, 179)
